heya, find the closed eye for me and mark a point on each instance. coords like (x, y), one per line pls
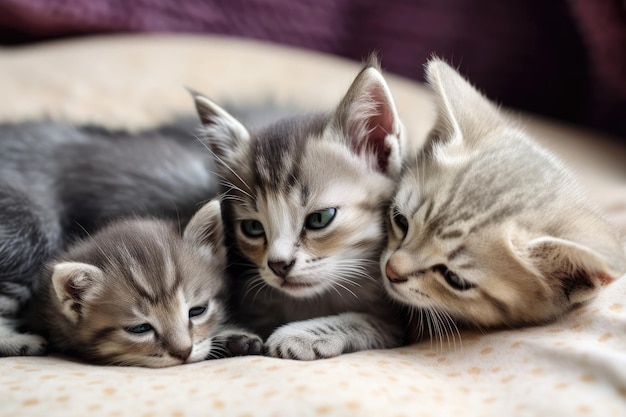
(452, 279)
(400, 220)
(139, 329)
(197, 311)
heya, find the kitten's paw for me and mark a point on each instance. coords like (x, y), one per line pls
(303, 345)
(21, 344)
(244, 345)
(232, 343)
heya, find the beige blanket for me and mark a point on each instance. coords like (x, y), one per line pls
(573, 368)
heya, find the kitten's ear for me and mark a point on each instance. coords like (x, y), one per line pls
(580, 269)
(207, 229)
(367, 116)
(224, 135)
(463, 114)
(75, 284)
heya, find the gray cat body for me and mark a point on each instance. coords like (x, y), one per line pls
(305, 200)
(59, 181)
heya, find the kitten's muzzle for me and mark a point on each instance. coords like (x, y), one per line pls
(393, 276)
(181, 354)
(281, 268)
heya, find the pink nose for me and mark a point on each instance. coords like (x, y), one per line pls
(392, 275)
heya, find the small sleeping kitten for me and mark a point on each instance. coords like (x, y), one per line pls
(138, 293)
(487, 228)
(305, 199)
(59, 181)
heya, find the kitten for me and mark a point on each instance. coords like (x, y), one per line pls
(138, 293)
(305, 199)
(489, 229)
(57, 181)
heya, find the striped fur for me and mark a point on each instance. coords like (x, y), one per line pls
(330, 300)
(140, 272)
(58, 182)
(484, 204)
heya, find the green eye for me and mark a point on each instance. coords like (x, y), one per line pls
(320, 219)
(252, 228)
(196, 311)
(139, 329)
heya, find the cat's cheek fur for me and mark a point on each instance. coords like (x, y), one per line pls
(203, 329)
(254, 249)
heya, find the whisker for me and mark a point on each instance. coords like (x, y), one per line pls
(217, 158)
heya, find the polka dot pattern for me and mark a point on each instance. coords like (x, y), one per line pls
(492, 374)
(575, 367)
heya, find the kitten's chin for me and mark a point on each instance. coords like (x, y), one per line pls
(301, 290)
(298, 287)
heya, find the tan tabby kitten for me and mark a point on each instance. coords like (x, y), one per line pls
(138, 293)
(488, 228)
(307, 198)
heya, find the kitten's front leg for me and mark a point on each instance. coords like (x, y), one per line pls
(330, 336)
(14, 343)
(234, 341)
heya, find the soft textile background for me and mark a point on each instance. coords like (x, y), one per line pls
(562, 58)
(575, 368)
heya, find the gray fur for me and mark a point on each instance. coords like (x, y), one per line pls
(59, 181)
(138, 271)
(330, 301)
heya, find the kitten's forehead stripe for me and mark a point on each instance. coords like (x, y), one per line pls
(498, 216)
(429, 210)
(452, 234)
(494, 198)
(458, 251)
(278, 151)
(145, 255)
(305, 194)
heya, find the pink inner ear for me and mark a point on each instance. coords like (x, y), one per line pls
(377, 127)
(605, 279)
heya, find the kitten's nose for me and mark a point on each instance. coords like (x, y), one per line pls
(281, 268)
(392, 275)
(181, 353)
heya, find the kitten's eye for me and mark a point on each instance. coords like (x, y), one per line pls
(196, 311)
(453, 279)
(252, 228)
(320, 219)
(139, 329)
(400, 221)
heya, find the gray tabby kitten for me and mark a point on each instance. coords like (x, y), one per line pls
(489, 229)
(57, 181)
(138, 293)
(305, 199)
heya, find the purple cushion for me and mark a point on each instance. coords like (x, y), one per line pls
(564, 59)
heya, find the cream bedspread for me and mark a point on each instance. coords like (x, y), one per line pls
(576, 367)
